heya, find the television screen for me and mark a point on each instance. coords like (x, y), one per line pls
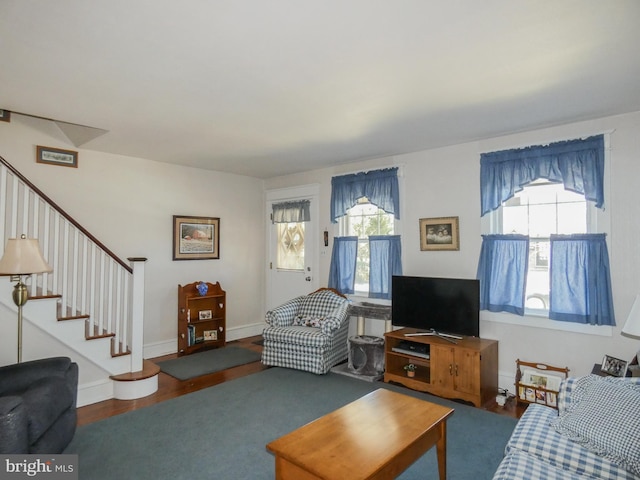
(446, 305)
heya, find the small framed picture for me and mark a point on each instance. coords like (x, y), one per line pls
(196, 238)
(440, 233)
(205, 315)
(614, 366)
(57, 156)
(5, 116)
(210, 335)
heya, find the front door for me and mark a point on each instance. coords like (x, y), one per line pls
(292, 249)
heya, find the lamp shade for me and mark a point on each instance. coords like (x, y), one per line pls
(22, 256)
(632, 325)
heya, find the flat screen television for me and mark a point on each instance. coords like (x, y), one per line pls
(446, 305)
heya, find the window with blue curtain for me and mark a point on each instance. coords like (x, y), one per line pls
(502, 271)
(385, 253)
(379, 186)
(580, 289)
(580, 280)
(342, 271)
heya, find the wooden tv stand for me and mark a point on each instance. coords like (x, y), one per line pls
(466, 370)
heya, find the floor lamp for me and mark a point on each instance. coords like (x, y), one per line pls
(22, 257)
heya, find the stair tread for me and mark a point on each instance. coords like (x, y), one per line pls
(149, 369)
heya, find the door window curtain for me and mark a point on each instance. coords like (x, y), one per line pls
(385, 260)
(580, 279)
(342, 271)
(502, 272)
(379, 186)
(578, 164)
(291, 212)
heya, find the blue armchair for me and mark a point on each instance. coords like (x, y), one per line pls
(308, 333)
(38, 406)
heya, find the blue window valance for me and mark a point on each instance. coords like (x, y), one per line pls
(580, 279)
(578, 164)
(385, 260)
(502, 271)
(379, 186)
(289, 212)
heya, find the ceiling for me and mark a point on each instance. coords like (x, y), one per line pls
(267, 88)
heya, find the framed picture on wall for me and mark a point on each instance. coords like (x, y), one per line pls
(439, 233)
(196, 238)
(56, 156)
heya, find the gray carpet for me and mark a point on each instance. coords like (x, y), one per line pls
(202, 363)
(221, 432)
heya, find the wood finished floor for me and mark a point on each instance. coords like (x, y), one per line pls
(170, 387)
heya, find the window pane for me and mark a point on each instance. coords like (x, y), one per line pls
(542, 220)
(362, 220)
(515, 219)
(539, 210)
(572, 218)
(290, 250)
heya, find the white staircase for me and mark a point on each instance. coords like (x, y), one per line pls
(92, 302)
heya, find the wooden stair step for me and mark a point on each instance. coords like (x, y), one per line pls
(149, 369)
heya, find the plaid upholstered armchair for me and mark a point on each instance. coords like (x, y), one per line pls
(307, 333)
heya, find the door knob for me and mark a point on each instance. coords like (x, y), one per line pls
(308, 279)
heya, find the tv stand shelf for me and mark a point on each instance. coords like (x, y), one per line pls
(466, 370)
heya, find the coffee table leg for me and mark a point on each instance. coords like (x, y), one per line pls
(441, 449)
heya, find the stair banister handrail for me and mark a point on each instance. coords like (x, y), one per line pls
(68, 217)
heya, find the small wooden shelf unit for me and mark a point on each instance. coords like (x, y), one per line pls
(466, 370)
(201, 318)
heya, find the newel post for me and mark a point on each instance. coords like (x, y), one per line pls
(137, 313)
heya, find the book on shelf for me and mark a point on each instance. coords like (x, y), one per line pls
(191, 335)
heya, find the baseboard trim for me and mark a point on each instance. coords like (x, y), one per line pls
(95, 392)
(167, 347)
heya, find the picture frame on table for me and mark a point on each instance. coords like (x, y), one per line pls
(210, 335)
(205, 315)
(56, 156)
(439, 233)
(614, 366)
(196, 238)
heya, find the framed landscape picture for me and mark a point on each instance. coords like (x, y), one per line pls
(196, 238)
(439, 233)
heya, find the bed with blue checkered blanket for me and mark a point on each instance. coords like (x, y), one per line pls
(308, 333)
(544, 446)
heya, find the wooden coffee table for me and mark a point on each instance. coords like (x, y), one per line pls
(376, 437)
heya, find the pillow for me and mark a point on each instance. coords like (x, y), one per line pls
(308, 321)
(606, 422)
(573, 389)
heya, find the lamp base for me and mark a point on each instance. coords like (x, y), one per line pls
(20, 296)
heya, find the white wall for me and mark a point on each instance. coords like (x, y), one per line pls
(128, 204)
(445, 182)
